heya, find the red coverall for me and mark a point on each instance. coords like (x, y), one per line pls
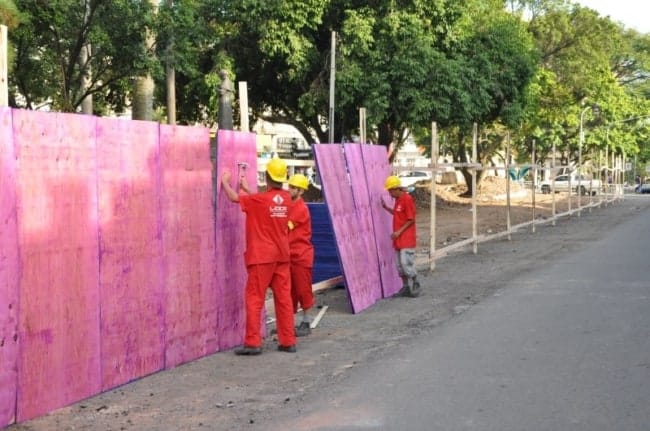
(267, 262)
(302, 255)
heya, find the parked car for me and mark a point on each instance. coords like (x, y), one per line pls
(644, 188)
(411, 177)
(579, 184)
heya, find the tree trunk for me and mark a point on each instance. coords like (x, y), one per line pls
(170, 76)
(143, 99)
(170, 81)
(87, 101)
(142, 108)
(385, 137)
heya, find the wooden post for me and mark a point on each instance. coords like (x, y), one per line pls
(362, 125)
(553, 185)
(474, 191)
(243, 106)
(435, 154)
(533, 185)
(568, 155)
(332, 86)
(4, 74)
(508, 222)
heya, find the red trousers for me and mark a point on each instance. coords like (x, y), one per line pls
(301, 288)
(260, 277)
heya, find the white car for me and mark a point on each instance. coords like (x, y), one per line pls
(411, 177)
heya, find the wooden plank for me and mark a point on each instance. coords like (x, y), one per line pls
(131, 250)
(376, 169)
(188, 242)
(59, 298)
(9, 273)
(232, 147)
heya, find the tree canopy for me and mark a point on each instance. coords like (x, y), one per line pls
(523, 68)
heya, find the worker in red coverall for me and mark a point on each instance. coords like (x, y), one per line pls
(403, 235)
(266, 256)
(302, 253)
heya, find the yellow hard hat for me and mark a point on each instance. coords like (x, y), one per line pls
(277, 170)
(300, 181)
(392, 182)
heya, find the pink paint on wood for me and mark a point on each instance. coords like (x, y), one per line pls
(130, 233)
(9, 273)
(375, 162)
(188, 244)
(232, 147)
(363, 208)
(345, 223)
(57, 227)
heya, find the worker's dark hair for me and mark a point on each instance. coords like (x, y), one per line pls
(271, 183)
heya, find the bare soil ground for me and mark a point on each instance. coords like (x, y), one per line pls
(226, 392)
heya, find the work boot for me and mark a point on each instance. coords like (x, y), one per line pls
(248, 351)
(303, 329)
(414, 288)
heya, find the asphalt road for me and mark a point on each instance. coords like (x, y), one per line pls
(563, 347)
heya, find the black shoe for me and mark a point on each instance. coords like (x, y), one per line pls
(248, 351)
(303, 329)
(414, 289)
(404, 291)
(288, 349)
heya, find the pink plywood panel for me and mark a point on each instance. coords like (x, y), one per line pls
(9, 273)
(375, 162)
(188, 244)
(363, 208)
(57, 227)
(338, 196)
(232, 147)
(130, 232)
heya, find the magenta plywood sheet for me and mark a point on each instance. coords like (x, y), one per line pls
(363, 208)
(232, 147)
(9, 273)
(130, 244)
(375, 162)
(188, 234)
(345, 223)
(59, 361)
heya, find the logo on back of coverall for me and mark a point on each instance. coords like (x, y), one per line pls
(278, 210)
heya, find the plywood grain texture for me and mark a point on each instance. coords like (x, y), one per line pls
(131, 278)
(365, 227)
(377, 169)
(9, 273)
(337, 191)
(232, 147)
(59, 360)
(188, 233)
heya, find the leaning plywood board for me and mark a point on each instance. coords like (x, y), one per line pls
(363, 209)
(376, 168)
(349, 239)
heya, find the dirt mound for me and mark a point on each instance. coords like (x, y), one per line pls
(490, 188)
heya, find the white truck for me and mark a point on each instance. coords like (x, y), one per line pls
(572, 182)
